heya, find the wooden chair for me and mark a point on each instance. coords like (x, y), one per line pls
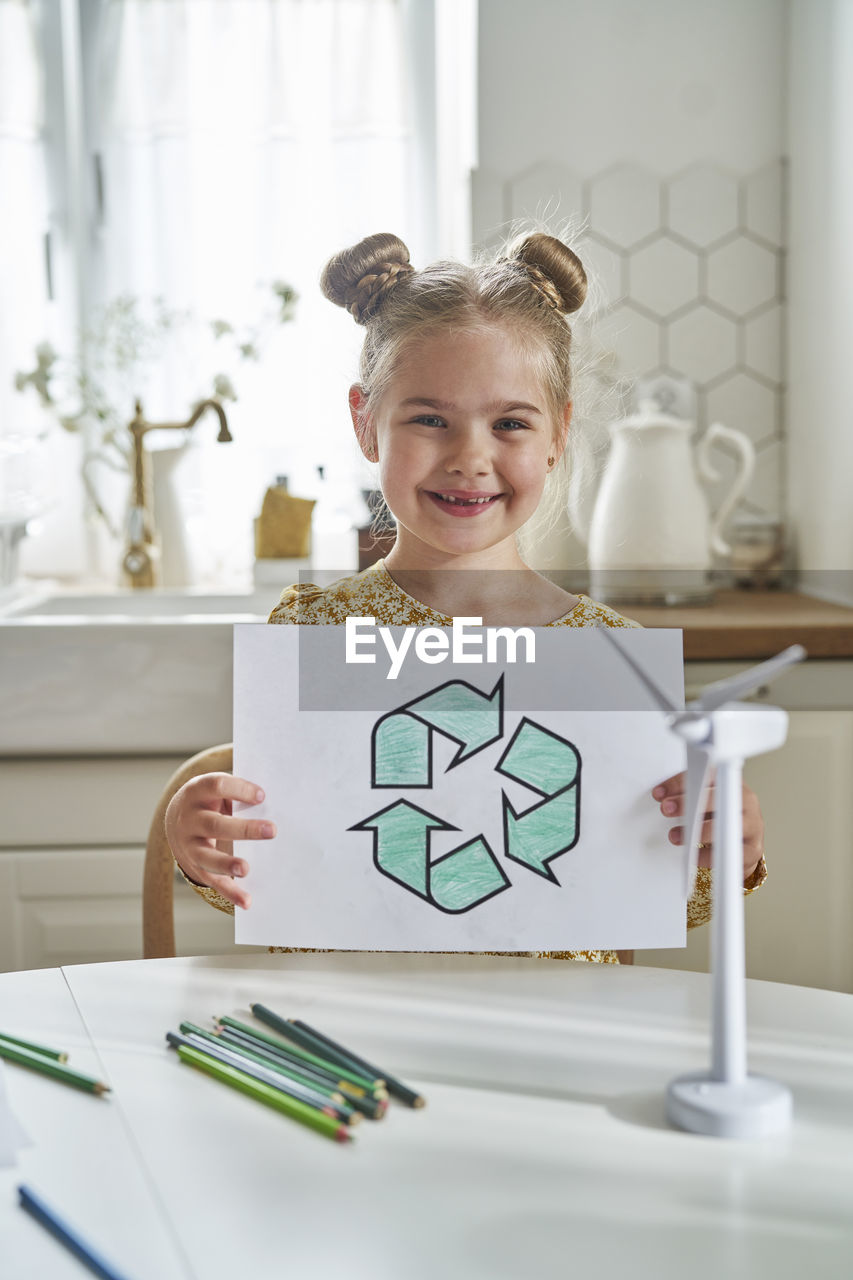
(158, 919)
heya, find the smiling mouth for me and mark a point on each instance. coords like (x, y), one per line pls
(452, 500)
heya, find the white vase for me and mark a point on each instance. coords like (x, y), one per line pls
(175, 565)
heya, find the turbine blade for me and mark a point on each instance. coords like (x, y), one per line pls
(660, 695)
(698, 769)
(714, 695)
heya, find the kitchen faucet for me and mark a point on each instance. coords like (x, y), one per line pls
(141, 556)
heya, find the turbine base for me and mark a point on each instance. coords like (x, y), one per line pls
(756, 1108)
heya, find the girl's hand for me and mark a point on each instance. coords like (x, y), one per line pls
(672, 796)
(199, 824)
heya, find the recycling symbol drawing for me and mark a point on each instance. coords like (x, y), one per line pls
(402, 758)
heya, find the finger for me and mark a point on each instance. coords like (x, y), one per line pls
(224, 786)
(673, 807)
(231, 890)
(209, 861)
(706, 835)
(676, 793)
(670, 786)
(751, 821)
(676, 786)
(221, 826)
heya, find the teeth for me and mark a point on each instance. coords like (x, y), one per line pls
(465, 502)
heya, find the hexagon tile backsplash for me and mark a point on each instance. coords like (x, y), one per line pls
(690, 279)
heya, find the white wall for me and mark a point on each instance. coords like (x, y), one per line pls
(661, 82)
(662, 124)
(820, 348)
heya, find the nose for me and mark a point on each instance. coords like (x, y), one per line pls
(468, 452)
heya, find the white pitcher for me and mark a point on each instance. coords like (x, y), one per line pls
(651, 536)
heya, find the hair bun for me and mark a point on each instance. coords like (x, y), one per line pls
(554, 269)
(361, 278)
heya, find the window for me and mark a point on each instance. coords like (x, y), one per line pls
(198, 151)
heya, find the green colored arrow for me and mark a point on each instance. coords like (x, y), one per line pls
(540, 759)
(550, 765)
(401, 838)
(401, 752)
(537, 836)
(463, 713)
(465, 877)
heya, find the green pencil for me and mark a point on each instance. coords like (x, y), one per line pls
(299, 1033)
(294, 1051)
(257, 1052)
(395, 1087)
(48, 1067)
(267, 1060)
(34, 1048)
(281, 1056)
(265, 1093)
(370, 1105)
(266, 1075)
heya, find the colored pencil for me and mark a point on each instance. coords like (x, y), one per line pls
(253, 1051)
(57, 1054)
(48, 1067)
(395, 1087)
(295, 1051)
(320, 1102)
(288, 1061)
(66, 1235)
(308, 1040)
(372, 1105)
(252, 1064)
(265, 1093)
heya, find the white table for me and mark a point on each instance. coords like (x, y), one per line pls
(542, 1152)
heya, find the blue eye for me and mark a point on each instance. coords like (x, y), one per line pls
(430, 420)
(511, 424)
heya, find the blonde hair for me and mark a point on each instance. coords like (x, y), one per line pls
(530, 289)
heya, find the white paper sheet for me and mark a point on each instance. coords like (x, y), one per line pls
(13, 1136)
(561, 848)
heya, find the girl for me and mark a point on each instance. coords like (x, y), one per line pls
(465, 403)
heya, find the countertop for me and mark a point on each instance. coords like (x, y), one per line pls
(754, 624)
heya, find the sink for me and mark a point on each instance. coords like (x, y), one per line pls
(141, 606)
(120, 672)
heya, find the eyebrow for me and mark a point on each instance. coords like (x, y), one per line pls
(497, 406)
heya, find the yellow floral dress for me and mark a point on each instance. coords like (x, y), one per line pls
(374, 593)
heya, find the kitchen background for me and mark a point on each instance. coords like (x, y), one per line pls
(703, 150)
(207, 150)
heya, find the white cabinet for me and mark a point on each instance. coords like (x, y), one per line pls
(798, 922)
(72, 846)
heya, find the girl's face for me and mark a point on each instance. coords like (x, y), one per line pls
(463, 436)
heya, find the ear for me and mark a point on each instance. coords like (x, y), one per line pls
(362, 425)
(561, 438)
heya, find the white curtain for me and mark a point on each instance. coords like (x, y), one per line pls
(242, 142)
(23, 285)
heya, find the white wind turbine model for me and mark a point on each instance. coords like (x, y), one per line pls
(722, 732)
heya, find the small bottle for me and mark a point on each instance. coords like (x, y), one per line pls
(335, 538)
